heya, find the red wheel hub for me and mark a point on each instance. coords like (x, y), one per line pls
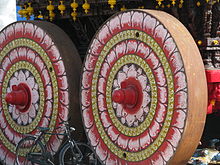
(20, 96)
(130, 95)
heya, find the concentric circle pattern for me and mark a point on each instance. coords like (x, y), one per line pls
(134, 45)
(29, 55)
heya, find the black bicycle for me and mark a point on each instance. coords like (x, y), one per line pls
(32, 149)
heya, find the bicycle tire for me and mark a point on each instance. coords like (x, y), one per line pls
(66, 157)
(28, 145)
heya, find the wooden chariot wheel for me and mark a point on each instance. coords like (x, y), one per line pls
(39, 80)
(143, 90)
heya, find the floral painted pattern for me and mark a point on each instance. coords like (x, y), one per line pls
(24, 118)
(130, 119)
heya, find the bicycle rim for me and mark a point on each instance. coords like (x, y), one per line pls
(29, 149)
(69, 156)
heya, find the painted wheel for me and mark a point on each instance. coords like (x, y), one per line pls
(143, 99)
(36, 81)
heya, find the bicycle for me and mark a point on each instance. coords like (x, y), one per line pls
(32, 149)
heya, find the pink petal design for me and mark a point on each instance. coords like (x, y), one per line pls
(24, 118)
(176, 62)
(145, 140)
(88, 117)
(13, 81)
(115, 25)
(180, 81)
(119, 110)
(134, 144)
(157, 159)
(21, 76)
(152, 61)
(121, 77)
(166, 151)
(45, 77)
(113, 133)
(94, 136)
(32, 111)
(174, 136)
(179, 119)
(102, 85)
(15, 112)
(64, 113)
(1, 74)
(64, 97)
(169, 46)
(111, 160)
(38, 35)
(10, 159)
(48, 92)
(96, 49)
(44, 122)
(136, 19)
(160, 34)
(19, 120)
(162, 94)
(54, 144)
(126, 20)
(27, 74)
(40, 64)
(181, 100)
(29, 30)
(85, 96)
(92, 61)
(9, 133)
(13, 55)
(6, 63)
(132, 71)
(2, 40)
(102, 151)
(47, 42)
(160, 76)
(54, 53)
(59, 68)
(143, 81)
(139, 114)
(104, 70)
(122, 141)
(146, 99)
(120, 49)
(115, 84)
(104, 34)
(149, 25)
(131, 46)
(31, 82)
(48, 108)
(154, 129)
(143, 51)
(101, 103)
(9, 33)
(3, 151)
(19, 29)
(106, 121)
(160, 113)
(130, 118)
(31, 56)
(87, 79)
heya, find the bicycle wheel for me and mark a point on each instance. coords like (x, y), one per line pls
(29, 151)
(68, 156)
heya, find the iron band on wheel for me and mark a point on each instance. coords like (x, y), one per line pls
(139, 54)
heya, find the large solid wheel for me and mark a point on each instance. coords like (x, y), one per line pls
(39, 74)
(143, 90)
